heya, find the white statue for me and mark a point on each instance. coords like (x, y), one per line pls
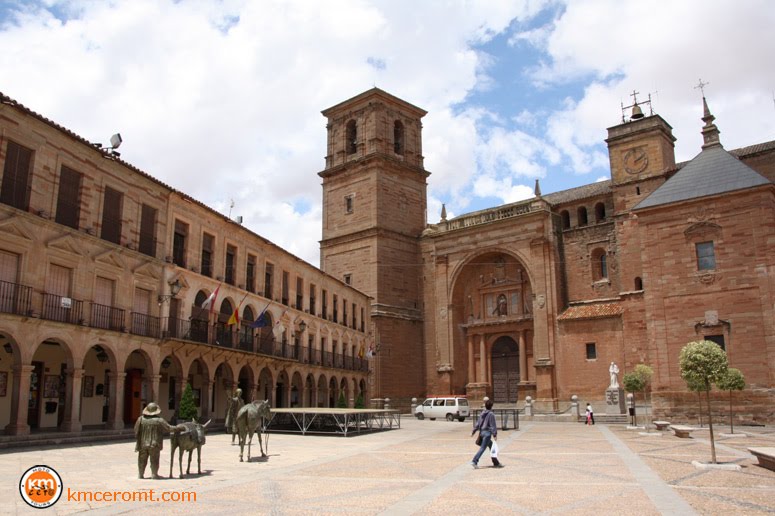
(614, 371)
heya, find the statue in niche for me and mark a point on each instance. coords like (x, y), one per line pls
(501, 306)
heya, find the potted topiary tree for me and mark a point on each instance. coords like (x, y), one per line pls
(733, 380)
(704, 363)
(342, 403)
(359, 400)
(187, 409)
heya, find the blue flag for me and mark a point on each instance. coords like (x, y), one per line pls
(260, 321)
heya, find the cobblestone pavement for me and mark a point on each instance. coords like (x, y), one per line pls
(562, 468)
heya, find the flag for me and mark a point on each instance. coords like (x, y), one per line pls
(260, 321)
(234, 319)
(210, 301)
(360, 351)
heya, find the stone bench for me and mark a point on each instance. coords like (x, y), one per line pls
(661, 425)
(766, 456)
(682, 431)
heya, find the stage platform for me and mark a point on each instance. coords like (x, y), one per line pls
(505, 413)
(335, 421)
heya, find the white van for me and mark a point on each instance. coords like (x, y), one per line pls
(452, 407)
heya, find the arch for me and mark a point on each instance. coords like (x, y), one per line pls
(310, 393)
(599, 212)
(264, 336)
(199, 318)
(351, 136)
(171, 385)
(138, 392)
(333, 391)
(565, 217)
(223, 331)
(599, 264)
(638, 283)
(266, 385)
(344, 387)
(581, 216)
(49, 398)
(398, 137)
(282, 390)
(246, 382)
(224, 383)
(322, 391)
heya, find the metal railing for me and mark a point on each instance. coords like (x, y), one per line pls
(62, 309)
(15, 298)
(145, 325)
(107, 317)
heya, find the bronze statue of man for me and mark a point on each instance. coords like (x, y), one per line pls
(149, 438)
(232, 409)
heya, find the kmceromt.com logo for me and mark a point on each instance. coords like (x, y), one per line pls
(40, 486)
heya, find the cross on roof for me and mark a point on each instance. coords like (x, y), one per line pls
(701, 87)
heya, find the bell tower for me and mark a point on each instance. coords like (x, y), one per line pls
(374, 204)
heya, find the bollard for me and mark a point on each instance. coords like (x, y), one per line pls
(387, 403)
(574, 404)
(528, 406)
(414, 405)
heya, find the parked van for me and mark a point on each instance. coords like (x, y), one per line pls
(450, 407)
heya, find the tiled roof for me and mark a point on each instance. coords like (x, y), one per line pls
(592, 311)
(713, 171)
(578, 193)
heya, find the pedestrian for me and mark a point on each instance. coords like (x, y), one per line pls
(488, 431)
(149, 438)
(590, 415)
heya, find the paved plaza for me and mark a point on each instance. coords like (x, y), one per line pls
(551, 468)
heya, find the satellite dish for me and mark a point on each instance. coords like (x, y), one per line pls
(115, 141)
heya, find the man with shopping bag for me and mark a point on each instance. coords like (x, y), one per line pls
(488, 432)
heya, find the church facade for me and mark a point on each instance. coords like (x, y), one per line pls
(538, 297)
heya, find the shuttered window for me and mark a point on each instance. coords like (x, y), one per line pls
(179, 243)
(142, 302)
(231, 254)
(103, 291)
(250, 274)
(59, 280)
(15, 189)
(9, 266)
(148, 231)
(207, 254)
(111, 215)
(69, 198)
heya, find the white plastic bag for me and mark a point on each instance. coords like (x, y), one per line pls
(494, 450)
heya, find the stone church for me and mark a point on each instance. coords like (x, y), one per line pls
(537, 298)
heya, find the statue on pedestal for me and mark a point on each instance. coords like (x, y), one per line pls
(613, 370)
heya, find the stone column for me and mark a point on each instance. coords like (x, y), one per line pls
(206, 407)
(482, 361)
(471, 363)
(72, 420)
(22, 374)
(522, 357)
(154, 380)
(116, 410)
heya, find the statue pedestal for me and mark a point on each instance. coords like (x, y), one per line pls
(614, 401)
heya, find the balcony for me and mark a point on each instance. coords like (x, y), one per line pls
(107, 317)
(15, 298)
(145, 325)
(62, 309)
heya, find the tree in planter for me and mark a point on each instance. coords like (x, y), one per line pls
(342, 403)
(187, 409)
(639, 380)
(359, 401)
(733, 380)
(704, 363)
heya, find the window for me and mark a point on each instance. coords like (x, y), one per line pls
(638, 283)
(565, 216)
(344, 312)
(637, 190)
(352, 137)
(250, 274)
(179, 244)
(268, 280)
(599, 265)
(208, 242)
(398, 137)
(706, 257)
(362, 318)
(591, 351)
(148, 231)
(348, 204)
(111, 216)
(16, 186)
(581, 215)
(284, 299)
(348, 278)
(325, 304)
(312, 299)
(336, 308)
(354, 322)
(599, 212)
(718, 339)
(69, 198)
(231, 258)
(299, 293)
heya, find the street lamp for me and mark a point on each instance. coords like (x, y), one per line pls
(175, 287)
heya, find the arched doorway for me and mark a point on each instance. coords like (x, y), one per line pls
(505, 370)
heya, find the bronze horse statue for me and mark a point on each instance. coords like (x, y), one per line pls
(192, 438)
(248, 422)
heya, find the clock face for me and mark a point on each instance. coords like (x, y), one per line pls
(635, 161)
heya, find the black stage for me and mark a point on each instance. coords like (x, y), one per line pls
(333, 421)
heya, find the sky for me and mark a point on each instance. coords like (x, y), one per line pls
(222, 99)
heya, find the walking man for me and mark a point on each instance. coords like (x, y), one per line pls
(488, 430)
